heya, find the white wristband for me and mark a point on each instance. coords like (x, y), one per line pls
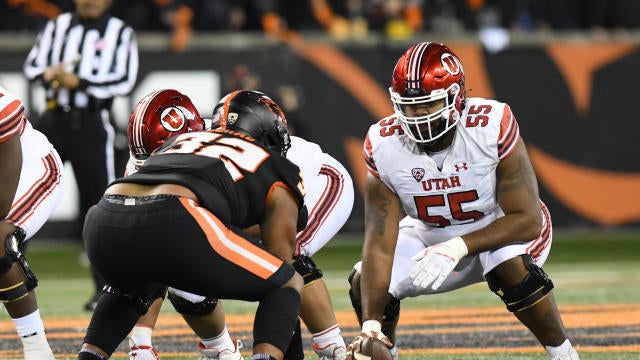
(371, 325)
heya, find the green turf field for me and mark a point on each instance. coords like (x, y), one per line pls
(596, 267)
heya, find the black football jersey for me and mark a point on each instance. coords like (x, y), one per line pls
(229, 172)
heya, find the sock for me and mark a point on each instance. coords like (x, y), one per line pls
(86, 354)
(328, 336)
(141, 335)
(30, 324)
(222, 341)
(557, 351)
(36, 347)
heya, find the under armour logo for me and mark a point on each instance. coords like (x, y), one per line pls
(462, 166)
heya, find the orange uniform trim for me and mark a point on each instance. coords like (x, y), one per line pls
(225, 109)
(280, 184)
(232, 246)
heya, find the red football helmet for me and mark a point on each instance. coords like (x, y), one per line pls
(428, 73)
(157, 117)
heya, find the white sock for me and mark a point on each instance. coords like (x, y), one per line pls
(222, 341)
(328, 336)
(141, 335)
(562, 349)
(30, 324)
(36, 347)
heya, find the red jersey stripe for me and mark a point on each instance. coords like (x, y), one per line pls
(325, 205)
(24, 208)
(509, 134)
(368, 157)
(544, 239)
(12, 120)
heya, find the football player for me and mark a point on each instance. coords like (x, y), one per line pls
(459, 170)
(329, 199)
(30, 189)
(184, 210)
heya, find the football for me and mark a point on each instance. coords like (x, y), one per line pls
(375, 349)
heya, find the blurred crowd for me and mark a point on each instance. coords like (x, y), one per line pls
(342, 19)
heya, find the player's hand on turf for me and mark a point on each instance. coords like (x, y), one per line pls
(436, 262)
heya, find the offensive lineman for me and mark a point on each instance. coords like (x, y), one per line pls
(30, 189)
(329, 198)
(458, 168)
(184, 209)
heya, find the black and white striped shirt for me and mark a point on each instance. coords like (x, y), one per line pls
(102, 52)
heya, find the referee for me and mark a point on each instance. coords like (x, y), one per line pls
(84, 59)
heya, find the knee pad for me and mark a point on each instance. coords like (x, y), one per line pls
(276, 318)
(531, 289)
(355, 300)
(307, 269)
(112, 320)
(14, 245)
(140, 304)
(186, 307)
(391, 312)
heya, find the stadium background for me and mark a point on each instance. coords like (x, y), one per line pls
(573, 97)
(571, 85)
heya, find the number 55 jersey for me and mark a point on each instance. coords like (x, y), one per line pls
(453, 192)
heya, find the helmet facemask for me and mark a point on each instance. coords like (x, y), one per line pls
(427, 128)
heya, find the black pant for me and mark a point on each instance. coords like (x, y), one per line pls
(82, 138)
(141, 245)
(162, 244)
(85, 139)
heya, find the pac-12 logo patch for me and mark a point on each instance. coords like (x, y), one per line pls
(417, 173)
(173, 119)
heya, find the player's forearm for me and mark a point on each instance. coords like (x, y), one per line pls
(373, 291)
(509, 229)
(375, 279)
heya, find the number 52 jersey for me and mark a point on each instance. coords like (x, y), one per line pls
(230, 173)
(459, 196)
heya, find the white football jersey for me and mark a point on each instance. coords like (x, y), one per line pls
(453, 200)
(459, 197)
(40, 186)
(329, 194)
(131, 167)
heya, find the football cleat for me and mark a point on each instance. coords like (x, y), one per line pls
(330, 352)
(142, 352)
(211, 353)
